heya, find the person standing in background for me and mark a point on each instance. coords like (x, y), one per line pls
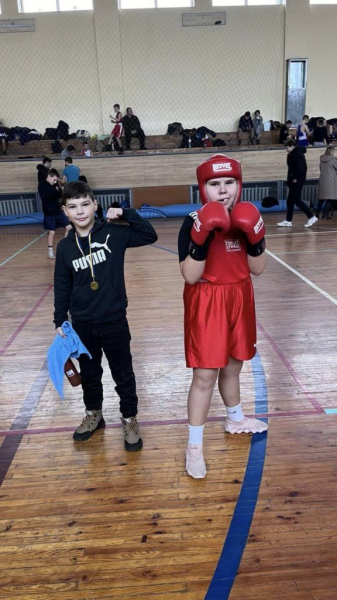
(327, 184)
(258, 127)
(54, 217)
(116, 134)
(42, 169)
(297, 173)
(303, 133)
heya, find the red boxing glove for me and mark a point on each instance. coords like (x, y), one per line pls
(247, 218)
(212, 215)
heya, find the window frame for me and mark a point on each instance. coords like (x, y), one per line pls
(155, 6)
(246, 3)
(313, 3)
(57, 2)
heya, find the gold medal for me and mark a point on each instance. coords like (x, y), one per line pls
(93, 284)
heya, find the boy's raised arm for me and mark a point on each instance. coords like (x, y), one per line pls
(140, 231)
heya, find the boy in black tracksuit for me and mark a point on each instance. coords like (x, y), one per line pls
(297, 173)
(89, 282)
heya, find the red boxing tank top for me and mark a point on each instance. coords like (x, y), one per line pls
(227, 260)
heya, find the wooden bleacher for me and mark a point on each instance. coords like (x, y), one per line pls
(146, 170)
(153, 143)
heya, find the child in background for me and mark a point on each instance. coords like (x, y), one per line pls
(116, 134)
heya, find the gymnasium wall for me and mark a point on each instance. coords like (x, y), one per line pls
(77, 64)
(322, 83)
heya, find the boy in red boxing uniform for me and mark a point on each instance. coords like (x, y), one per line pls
(117, 131)
(219, 247)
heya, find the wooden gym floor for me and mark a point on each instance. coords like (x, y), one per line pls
(82, 521)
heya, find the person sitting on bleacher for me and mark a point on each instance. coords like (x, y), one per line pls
(4, 139)
(132, 128)
(284, 132)
(245, 124)
(68, 151)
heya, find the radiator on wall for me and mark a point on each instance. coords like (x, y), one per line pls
(14, 204)
(105, 200)
(249, 194)
(17, 206)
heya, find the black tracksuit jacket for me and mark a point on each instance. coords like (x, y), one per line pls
(73, 275)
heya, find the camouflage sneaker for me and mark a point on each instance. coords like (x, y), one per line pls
(93, 420)
(132, 439)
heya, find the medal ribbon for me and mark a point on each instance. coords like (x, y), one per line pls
(90, 254)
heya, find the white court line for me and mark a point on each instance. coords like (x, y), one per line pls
(292, 233)
(305, 251)
(305, 279)
(22, 249)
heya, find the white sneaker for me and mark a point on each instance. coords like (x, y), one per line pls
(195, 463)
(284, 224)
(51, 253)
(311, 222)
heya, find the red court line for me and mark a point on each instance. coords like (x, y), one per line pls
(291, 370)
(47, 430)
(25, 321)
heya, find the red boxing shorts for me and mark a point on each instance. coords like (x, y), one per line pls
(117, 130)
(219, 322)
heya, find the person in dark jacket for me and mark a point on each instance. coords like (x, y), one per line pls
(43, 169)
(297, 172)
(319, 136)
(132, 128)
(54, 217)
(284, 132)
(89, 283)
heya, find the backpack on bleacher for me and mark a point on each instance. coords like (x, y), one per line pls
(99, 146)
(83, 135)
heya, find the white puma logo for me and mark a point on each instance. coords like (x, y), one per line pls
(105, 245)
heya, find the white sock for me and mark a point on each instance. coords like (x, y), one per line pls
(234, 413)
(196, 433)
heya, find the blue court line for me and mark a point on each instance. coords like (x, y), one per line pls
(22, 249)
(237, 535)
(330, 411)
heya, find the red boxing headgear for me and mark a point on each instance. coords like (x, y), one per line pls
(219, 165)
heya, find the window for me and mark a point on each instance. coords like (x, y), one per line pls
(246, 2)
(323, 1)
(34, 6)
(123, 4)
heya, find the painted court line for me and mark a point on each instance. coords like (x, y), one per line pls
(292, 371)
(12, 442)
(164, 423)
(279, 352)
(22, 249)
(291, 233)
(305, 251)
(237, 535)
(25, 321)
(305, 279)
